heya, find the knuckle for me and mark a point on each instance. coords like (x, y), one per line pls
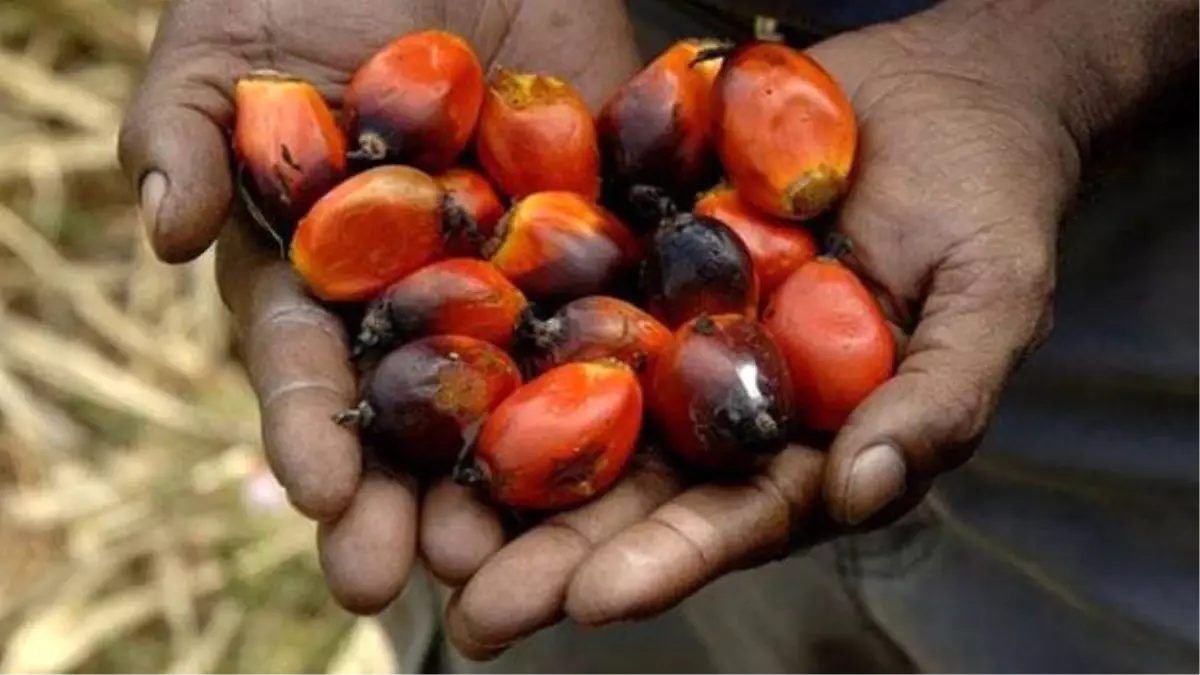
(781, 509)
(563, 535)
(292, 313)
(282, 393)
(696, 547)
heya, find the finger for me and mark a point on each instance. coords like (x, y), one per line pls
(172, 146)
(458, 532)
(695, 538)
(367, 554)
(986, 306)
(522, 587)
(297, 357)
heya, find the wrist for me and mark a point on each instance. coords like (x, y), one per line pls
(1089, 62)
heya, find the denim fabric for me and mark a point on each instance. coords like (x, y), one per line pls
(1069, 544)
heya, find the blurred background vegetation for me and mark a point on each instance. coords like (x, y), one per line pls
(139, 528)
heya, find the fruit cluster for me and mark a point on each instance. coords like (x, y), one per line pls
(541, 288)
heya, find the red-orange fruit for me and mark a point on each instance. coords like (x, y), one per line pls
(373, 230)
(656, 129)
(778, 247)
(536, 134)
(474, 193)
(589, 329)
(835, 338)
(561, 439)
(721, 394)
(288, 144)
(560, 245)
(415, 102)
(697, 265)
(424, 402)
(457, 296)
(785, 131)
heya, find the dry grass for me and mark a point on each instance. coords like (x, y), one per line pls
(139, 528)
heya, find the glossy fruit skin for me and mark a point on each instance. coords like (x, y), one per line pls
(415, 102)
(426, 399)
(697, 265)
(835, 338)
(456, 296)
(288, 144)
(721, 394)
(778, 247)
(536, 134)
(559, 246)
(656, 129)
(371, 231)
(478, 198)
(785, 131)
(588, 329)
(563, 438)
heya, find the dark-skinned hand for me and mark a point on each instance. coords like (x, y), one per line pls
(962, 178)
(174, 148)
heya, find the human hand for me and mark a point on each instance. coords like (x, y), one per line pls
(174, 149)
(963, 174)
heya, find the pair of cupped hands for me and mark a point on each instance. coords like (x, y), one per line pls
(961, 179)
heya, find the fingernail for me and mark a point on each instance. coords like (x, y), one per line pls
(153, 189)
(876, 480)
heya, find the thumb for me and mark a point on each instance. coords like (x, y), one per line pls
(173, 148)
(987, 306)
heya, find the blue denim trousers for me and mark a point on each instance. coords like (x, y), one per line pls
(1068, 545)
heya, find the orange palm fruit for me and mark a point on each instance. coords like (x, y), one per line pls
(591, 328)
(785, 131)
(835, 338)
(373, 230)
(457, 296)
(560, 245)
(656, 129)
(415, 102)
(536, 134)
(288, 144)
(697, 265)
(721, 394)
(561, 439)
(778, 247)
(474, 193)
(425, 400)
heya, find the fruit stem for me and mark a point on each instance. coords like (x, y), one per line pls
(541, 336)
(376, 329)
(371, 148)
(651, 203)
(837, 246)
(466, 471)
(468, 476)
(710, 54)
(456, 220)
(762, 434)
(361, 416)
(256, 213)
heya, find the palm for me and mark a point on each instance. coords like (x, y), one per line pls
(942, 162)
(176, 133)
(955, 232)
